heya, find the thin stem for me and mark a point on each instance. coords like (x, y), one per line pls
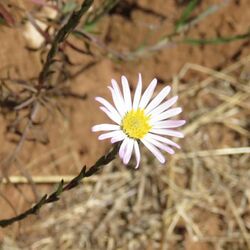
(55, 196)
(60, 37)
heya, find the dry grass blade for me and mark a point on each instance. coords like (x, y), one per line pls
(215, 152)
(53, 179)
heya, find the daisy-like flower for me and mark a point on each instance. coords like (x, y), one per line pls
(140, 120)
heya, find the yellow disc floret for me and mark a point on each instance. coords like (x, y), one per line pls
(136, 124)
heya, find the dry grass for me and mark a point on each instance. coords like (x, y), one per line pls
(199, 200)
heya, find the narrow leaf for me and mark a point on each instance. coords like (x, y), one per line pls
(186, 14)
(216, 40)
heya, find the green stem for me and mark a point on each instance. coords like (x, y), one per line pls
(55, 196)
(60, 37)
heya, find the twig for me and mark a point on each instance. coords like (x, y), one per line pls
(55, 196)
(18, 147)
(60, 37)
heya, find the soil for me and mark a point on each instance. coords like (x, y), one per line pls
(68, 142)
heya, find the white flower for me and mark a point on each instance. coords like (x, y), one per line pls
(140, 120)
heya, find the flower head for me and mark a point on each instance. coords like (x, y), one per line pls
(140, 120)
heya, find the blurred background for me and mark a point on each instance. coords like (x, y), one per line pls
(200, 199)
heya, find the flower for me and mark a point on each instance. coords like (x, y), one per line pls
(140, 120)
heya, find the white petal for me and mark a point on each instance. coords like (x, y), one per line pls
(123, 147)
(105, 127)
(169, 124)
(159, 144)
(167, 114)
(154, 151)
(158, 99)
(148, 94)
(119, 104)
(164, 106)
(119, 95)
(128, 153)
(117, 138)
(168, 132)
(137, 95)
(164, 139)
(112, 116)
(137, 153)
(109, 135)
(126, 93)
(108, 106)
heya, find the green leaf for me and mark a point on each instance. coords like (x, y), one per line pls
(59, 188)
(105, 7)
(69, 7)
(40, 203)
(216, 40)
(186, 14)
(90, 27)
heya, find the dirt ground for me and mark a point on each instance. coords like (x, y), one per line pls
(140, 208)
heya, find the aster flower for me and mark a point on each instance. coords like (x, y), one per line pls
(140, 120)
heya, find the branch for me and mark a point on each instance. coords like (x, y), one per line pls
(55, 196)
(59, 38)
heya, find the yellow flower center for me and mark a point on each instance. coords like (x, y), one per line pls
(136, 124)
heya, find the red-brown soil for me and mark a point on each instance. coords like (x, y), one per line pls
(71, 142)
